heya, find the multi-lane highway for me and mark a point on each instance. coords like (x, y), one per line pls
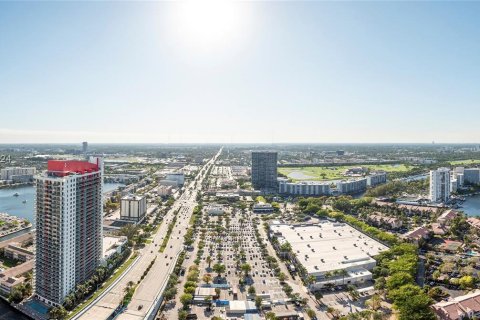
(148, 293)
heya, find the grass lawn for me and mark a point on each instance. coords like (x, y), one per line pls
(335, 172)
(105, 285)
(465, 162)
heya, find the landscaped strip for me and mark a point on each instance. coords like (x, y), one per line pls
(169, 233)
(112, 279)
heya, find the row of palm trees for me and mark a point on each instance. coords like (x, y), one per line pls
(101, 274)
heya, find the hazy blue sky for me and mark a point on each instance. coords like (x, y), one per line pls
(242, 72)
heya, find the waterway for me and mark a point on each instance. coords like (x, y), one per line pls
(9, 313)
(22, 206)
(471, 206)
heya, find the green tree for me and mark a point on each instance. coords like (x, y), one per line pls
(399, 279)
(246, 268)
(186, 299)
(412, 303)
(258, 302)
(57, 313)
(466, 282)
(270, 316)
(182, 315)
(311, 314)
(219, 269)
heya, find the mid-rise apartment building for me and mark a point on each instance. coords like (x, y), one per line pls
(133, 208)
(352, 186)
(376, 178)
(303, 188)
(11, 172)
(69, 227)
(471, 176)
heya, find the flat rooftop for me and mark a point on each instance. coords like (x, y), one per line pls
(328, 246)
(109, 242)
(133, 197)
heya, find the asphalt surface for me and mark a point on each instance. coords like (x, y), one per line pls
(152, 285)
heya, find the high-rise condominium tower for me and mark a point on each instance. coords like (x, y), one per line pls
(440, 187)
(69, 227)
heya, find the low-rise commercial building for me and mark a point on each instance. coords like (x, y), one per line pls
(327, 248)
(133, 208)
(215, 209)
(112, 245)
(303, 188)
(262, 208)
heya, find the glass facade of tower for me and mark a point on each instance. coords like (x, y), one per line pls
(264, 170)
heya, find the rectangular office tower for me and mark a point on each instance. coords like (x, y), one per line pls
(68, 217)
(264, 170)
(440, 185)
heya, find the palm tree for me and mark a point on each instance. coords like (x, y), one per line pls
(209, 261)
(311, 279)
(375, 302)
(246, 268)
(343, 273)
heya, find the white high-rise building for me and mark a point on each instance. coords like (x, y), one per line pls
(440, 186)
(68, 217)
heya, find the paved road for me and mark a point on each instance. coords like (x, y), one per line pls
(150, 288)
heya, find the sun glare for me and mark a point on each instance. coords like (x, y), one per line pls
(207, 25)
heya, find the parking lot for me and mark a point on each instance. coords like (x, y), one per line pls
(230, 241)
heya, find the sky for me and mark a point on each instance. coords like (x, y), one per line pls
(229, 72)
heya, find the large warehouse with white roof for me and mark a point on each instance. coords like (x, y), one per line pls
(333, 252)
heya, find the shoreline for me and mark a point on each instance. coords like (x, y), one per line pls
(15, 233)
(16, 185)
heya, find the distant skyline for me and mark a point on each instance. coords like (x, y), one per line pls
(233, 72)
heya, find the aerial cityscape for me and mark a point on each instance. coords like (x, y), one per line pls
(274, 160)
